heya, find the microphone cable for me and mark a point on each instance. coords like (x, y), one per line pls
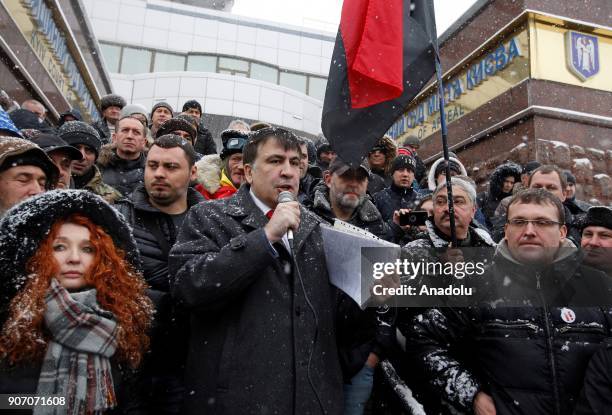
(316, 334)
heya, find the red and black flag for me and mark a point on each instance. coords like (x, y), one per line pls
(384, 55)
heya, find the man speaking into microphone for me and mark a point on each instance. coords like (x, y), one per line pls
(262, 308)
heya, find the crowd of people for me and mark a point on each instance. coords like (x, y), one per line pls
(143, 271)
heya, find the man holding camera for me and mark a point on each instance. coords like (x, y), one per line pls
(439, 232)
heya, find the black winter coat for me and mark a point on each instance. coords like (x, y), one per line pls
(251, 326)
(366, 216)
(531, 360)
(123, 175)
(596, 395)
(394, 198)
(154, 251)
(488, 201)
(377, 183)
(308, 184)
(102, 129)
(205, 144)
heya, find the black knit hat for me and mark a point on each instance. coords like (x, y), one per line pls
(175, 124)
(323, 146)
(531, 166)
(26, 225)
(403, 162)
(454, 167)
(598, 216)
(192, 103)
(112, 100)
(159, 105)
(233, 142)
(78, 132)
(569, 177)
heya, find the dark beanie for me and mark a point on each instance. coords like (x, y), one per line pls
(531, 166)
(403, 162)
(192, 103)
(441, 167)
(569, 177)
(78, 132)
(161, 104)
(112, 100)
(598, 216)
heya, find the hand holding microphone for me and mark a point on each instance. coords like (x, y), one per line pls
(285, 219)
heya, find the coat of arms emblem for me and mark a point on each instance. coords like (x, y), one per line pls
(582, 54)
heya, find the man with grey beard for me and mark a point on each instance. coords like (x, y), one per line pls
(342, 195)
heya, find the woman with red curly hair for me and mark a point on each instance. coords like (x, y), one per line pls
(73, 306)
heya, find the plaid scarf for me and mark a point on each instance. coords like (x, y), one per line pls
(76, 363)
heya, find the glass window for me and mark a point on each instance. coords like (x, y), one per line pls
(135, 61)
(293, 81)
(264, 73)
(316, 87)
(234, 64)
(199, 63)
(166, 62)
(111, 55)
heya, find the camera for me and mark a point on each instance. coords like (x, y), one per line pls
(414, 218)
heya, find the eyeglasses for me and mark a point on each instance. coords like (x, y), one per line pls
(537, 223)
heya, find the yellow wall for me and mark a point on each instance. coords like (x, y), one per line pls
(548, 54)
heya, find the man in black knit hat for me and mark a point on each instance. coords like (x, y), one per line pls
(597, 238)
(204, 144)
(160, 113)
(85, 173)
(111, 106)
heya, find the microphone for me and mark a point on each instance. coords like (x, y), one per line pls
(284, 197)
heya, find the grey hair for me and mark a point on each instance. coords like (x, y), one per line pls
(236, 124)
(460, 181)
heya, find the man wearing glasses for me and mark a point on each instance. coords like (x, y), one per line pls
(525, 347)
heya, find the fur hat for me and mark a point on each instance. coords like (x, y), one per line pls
(78, 132)
(112, 100)
(598, 216)
(175, 124)
(20, 152)
(27, 224)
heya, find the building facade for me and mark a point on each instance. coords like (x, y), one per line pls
(48, 52)
(525, 80)
(236, 67)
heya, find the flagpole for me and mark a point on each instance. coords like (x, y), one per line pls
(449, 187)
